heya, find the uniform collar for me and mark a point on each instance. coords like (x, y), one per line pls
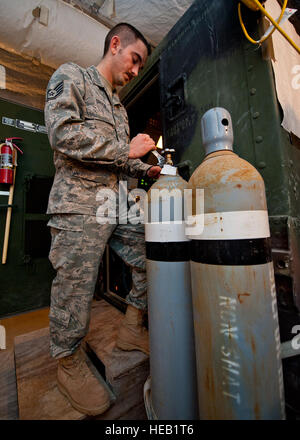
(98, 80)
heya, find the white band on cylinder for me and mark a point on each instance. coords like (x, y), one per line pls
(163, 232)
(230, 225)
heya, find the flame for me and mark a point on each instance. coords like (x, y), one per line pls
(159, 143)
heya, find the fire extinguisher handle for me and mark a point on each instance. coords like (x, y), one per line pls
(14, 145)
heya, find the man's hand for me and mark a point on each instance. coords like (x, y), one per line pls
(154, 172)
(140, 145)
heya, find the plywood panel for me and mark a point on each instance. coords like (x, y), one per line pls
(39, 397)
(8, 388)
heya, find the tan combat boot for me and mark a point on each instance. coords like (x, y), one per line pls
(132, 335)
(76, 381)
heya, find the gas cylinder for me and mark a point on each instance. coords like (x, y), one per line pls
(237, 339)
(173, 394)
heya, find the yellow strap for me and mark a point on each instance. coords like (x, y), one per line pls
(250, 4)
(276, 26)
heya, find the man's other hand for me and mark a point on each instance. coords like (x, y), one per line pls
(141, 145)
(154, 172)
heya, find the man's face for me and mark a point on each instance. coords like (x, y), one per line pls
(127, 62)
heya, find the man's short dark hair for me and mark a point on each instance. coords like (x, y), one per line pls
(128, 34)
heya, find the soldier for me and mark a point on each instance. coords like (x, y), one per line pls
(89, 133)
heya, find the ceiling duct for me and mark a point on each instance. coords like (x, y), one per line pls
(51, 32)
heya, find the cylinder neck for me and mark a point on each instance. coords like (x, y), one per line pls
(219, 153)
(216, 130)
(220, 146)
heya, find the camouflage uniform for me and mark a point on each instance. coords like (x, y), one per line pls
(88, 130)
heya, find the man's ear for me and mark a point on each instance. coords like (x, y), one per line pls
(115, 43)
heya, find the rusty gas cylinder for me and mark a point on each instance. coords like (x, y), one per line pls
(237, 337)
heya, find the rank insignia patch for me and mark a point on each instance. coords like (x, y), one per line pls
(56, 91)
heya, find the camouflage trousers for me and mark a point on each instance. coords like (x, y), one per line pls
(77, 247)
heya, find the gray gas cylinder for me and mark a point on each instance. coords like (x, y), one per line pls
(173, 391)
(237, 337)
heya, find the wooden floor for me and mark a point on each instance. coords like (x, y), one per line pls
(28, 389)
(24, 323)
(15, 326)
(8, 387)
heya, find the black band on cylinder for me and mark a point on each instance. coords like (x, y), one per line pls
(246, 252)
(168, 251)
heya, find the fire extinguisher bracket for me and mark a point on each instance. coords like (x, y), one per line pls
(8, 206)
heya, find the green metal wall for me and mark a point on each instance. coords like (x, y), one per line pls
(220, 68)
(205, 61)
(26, 277)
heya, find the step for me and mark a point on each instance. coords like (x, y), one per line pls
(125, 372)
(8, 387)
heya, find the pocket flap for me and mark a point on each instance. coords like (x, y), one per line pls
(67, 222)
(100, 119)
(91, 177)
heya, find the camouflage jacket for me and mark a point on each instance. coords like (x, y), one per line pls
(89, 133)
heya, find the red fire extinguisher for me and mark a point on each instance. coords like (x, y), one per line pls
(8, 164)
(6, 160)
